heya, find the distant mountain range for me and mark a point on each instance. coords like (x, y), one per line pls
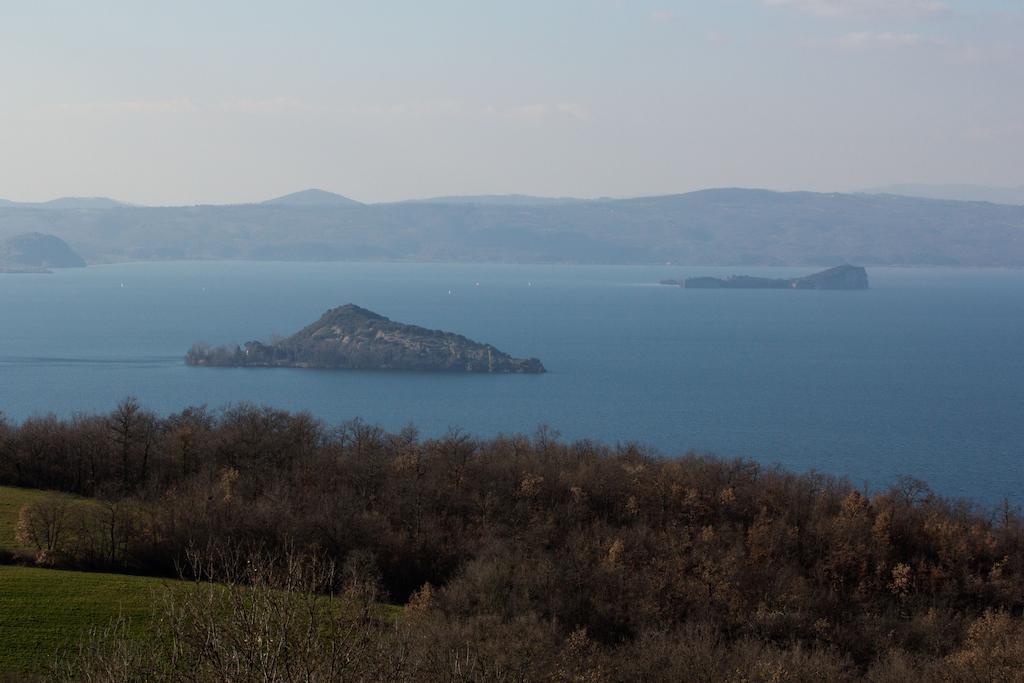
(710, 227)
(321, 198)
(500, 200)
(67, 203)
(965, 193)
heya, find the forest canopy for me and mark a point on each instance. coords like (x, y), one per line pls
(535, 544)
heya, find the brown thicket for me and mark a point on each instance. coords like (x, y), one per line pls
(542, 558)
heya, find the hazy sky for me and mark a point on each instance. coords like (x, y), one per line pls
(186, 102)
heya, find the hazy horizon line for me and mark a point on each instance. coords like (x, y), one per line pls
(889, 188)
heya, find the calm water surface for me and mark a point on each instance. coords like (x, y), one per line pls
(922, 375)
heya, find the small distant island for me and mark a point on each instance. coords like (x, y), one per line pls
(840, 277)
(11, 268)
(36, 252)
(354, 338)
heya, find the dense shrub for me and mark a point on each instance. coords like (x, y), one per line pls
(615, 552)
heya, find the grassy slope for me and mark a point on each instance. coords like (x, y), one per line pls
(43, 611)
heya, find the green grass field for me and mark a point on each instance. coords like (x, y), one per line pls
(43, 611)
(46, 611)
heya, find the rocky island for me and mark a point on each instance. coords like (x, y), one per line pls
(840, 277)
(353, 338)
(36, 252)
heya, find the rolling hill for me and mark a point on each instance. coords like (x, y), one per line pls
(67, 203)
(963, 193)
(710, 227)
(312, 197)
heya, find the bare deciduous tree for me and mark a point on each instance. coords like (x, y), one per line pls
(43, 524)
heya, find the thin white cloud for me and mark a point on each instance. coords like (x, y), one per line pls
(829, 8)
(540, 111)
(951, 51)
(574, 110)
(526, 112)
(182, 105)
(988, 53)
(535, 112)
(868, 39)
(273, 105)
(531, 111)
(416, 109)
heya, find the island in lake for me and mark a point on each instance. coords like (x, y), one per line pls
(353, 338)
(840, 277)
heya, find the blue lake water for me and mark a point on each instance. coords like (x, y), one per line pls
(923, 374)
